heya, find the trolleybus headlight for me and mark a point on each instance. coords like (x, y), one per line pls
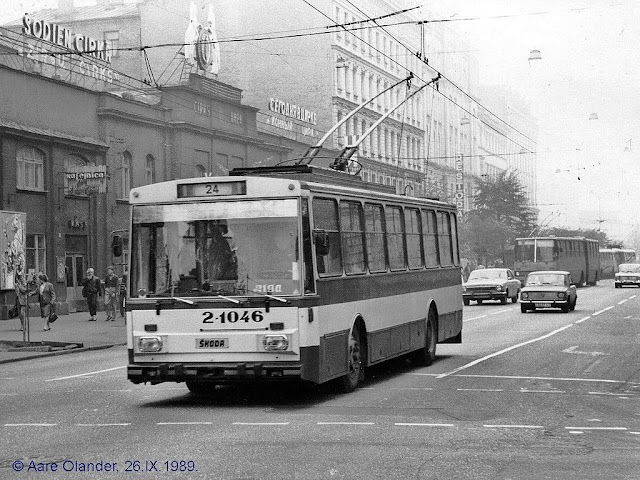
(150, 344)
(275, 342)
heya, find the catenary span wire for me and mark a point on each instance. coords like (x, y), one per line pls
(451, 81)
(434, 69)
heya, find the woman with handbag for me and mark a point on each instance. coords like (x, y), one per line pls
(47, 298)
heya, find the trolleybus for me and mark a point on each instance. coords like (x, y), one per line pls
(577, 255)
(612, 258)
(290, 273)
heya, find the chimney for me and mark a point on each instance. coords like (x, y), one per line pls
(65, 5)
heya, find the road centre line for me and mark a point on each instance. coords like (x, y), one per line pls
(513, 426)
(632, 297)
(30, 424)
(623, 301)
(475, 318)
(411, 388)
(611, 394)
(85, 374)
(184, 423)
(562, 379)
(480, 389)
(583, 319)
(401, 424)
(597, 428)
(260, 423)
(524, 390)
(102, 424)
(501, 311)
(345, 423)
(505, 350)
(602, 311)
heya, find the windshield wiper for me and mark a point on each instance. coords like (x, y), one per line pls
(228, 298)
(172, 301)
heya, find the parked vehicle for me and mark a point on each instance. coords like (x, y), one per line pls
(548, 289)
(491, 284)
(628, 274)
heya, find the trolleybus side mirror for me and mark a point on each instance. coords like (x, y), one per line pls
(116, 246)
(321, 240)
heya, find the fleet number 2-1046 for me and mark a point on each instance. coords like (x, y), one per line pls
(233, 316)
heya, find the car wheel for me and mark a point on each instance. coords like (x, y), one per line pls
(523, 308)
(573, 304)
(503, 300)
(565, 308)
(466, 301)
(479, 302)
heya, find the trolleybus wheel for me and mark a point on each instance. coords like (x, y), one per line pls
(200, 388)
(427, 354)
(479, 302)
(466, 301)
(355, 362)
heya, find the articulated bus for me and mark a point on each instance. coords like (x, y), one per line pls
(282, 277)
(612, 258)
(577, 255)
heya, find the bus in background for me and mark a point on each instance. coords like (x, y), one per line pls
(286, 273)
(611, 259)
(577, 255)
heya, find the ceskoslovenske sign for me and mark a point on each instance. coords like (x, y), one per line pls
(54, 33)
(460, 184)
(293, 111)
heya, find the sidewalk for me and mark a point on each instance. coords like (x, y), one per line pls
(72, 328)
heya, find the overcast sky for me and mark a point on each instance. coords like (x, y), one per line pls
(590, 64)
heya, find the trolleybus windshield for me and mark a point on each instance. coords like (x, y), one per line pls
(216, 248)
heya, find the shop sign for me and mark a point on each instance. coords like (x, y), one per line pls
(460, 184)
(76, 224)
(12, 242)
(293, 111)
(85, 180)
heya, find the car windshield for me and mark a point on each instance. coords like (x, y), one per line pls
(546, 279)
(488, 274)
(630, 268)
(225, 248)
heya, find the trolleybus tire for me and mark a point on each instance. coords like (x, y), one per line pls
(355, 362)
(466, 301)
(427, 354)
(479, 302)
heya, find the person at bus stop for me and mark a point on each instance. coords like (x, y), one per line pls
(46, 297)
(111, 285)
(91, 289)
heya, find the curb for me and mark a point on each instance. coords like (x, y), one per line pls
(62, 352)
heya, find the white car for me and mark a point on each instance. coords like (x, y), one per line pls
(628, 274)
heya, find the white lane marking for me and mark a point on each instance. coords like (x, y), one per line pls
(513, 426)
(410, 388)
(345, 423)
(602, 311)
(420, 374)
(561, 379)
(480, 389)
(474, 318)
(30, 424)
(583, 319)
(573, 350)
(623, 301)
(634, 433)
(610, 394)
(505, 350)
(366, 388)
(632, 297)
(577, 433)
(260, 423)
(617, 429)
(524, 390)
(102, 424)
(102, 391)
(7, 378)
(501, 311)
(184, 423)
(400, 424)
(85, 374)
(627, 317)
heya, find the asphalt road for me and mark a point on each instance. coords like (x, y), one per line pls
(542, 395)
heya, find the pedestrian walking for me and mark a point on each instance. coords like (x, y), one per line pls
(91, 289)
(111, 286)
(47, 299)
(123, 292)
(22, 294)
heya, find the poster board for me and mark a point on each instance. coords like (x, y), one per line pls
(12, 247)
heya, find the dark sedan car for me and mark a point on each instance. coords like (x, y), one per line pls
(548, 289)
(491, 284)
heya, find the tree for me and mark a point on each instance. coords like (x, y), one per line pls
(501, 215)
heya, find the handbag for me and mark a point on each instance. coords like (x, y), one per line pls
(52, 316)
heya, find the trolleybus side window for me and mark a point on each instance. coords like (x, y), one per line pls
(395, 238)
(454, 239)
(352, 237)
(307, 265)
(430, 238)
(325, 218)
(375, 233)
(444, 238)
(414, 243)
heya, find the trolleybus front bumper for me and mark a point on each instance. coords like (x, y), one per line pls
(214, 372)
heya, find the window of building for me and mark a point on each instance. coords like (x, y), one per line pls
(150, 171)
(113, 37)
(126, 162)
(352, 237)
(37, 252)
(30, 168)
